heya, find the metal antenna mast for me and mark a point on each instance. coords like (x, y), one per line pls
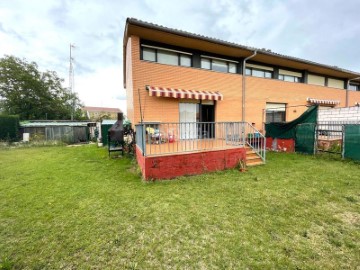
(71, 81)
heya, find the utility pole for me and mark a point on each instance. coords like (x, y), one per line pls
(71, 81)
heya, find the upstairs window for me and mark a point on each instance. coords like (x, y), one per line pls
(185, 60)
(205, 63)
(149, 54)
(316, 80)
(290, 76)
(354, 87)
(259, 73)
(217, 64)
(166, 56)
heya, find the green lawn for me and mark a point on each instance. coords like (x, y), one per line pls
(73, 208)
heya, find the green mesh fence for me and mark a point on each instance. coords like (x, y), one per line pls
(305, 138)
(352, 142)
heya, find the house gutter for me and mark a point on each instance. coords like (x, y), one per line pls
(347, 91)
(244, 85)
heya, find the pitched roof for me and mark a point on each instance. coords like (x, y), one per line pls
(264, 52)
(101, 109)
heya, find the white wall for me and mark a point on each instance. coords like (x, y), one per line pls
(340, 114)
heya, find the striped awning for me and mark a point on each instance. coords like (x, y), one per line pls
(323, 101)
(182, 93)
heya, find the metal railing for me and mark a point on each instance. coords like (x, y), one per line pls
(255, 140)
(140, 138)
(330, 136)
(169, 138)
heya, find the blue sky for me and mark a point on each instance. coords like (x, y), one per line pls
(327, 32)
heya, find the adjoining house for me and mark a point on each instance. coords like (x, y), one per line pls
(99, 113)
(191, 96)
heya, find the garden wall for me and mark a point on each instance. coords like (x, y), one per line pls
(349, 114)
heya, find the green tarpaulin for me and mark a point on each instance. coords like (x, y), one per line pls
(352, 142)
(287, 130)
(305, 138)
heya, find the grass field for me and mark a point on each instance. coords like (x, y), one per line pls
(73, 208)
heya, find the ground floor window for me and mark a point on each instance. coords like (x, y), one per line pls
(275, 112)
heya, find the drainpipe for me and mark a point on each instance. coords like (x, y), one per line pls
(347, 91)
(243, 85)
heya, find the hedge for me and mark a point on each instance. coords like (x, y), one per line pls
(9, 127)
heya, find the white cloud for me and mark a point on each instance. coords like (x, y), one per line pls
(41, 31)
(103, 87)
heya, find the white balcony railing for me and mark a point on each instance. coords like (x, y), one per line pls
(175, 138)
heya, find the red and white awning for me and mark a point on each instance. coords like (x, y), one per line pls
(182, 93)
(323, 101)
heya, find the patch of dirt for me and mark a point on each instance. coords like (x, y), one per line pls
(350, 218)
(76, 145)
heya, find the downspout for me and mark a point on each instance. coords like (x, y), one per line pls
(347, 91)
(244, 85)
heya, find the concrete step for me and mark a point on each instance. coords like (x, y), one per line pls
(255, 163)
(252, 159)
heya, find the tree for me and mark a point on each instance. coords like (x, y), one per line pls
(32, 94)
(102, 116)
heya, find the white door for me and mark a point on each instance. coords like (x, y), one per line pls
(187, 120)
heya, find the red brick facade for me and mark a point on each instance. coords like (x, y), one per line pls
(259, 91)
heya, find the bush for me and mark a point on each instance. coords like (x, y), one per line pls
(9, 127)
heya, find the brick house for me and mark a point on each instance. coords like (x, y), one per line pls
(182, 86)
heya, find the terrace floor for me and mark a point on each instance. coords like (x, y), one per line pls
(183, 146)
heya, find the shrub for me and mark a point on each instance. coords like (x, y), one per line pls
(9, 127)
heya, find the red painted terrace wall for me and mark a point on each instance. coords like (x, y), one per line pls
(171, 166)
(282, 145)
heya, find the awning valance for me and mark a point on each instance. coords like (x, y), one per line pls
(323, 101)
(182, 93)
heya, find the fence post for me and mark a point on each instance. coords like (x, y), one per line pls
(143, 134)
(243, 132)
(343, 142)
(315, 138)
